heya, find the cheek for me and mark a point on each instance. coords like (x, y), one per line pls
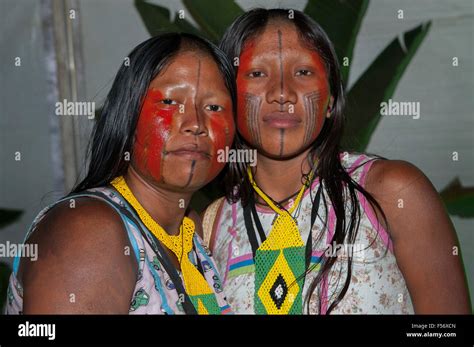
(243, 91)
(153, 130)
(320, 107)
(316, 102)
(223, 131)
(242, 123)
(249, 107)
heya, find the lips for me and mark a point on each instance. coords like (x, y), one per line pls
(281, 120)
(191, 151)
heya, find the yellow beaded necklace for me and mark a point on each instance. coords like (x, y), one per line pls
(279, 261)
(196, 286)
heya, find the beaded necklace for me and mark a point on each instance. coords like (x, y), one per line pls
(196, 286)
(280, 259)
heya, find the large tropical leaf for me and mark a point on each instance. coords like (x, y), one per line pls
(157, 19)
(377, 84)
(459, 200)
(214, 17)
(341, 20)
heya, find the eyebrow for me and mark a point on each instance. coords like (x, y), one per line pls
(216, 92)
(206, 94)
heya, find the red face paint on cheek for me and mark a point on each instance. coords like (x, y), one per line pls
(242, 89)
(153, 130)
(223, 130)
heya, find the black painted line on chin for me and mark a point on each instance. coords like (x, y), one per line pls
(191, 174)
(282, 135)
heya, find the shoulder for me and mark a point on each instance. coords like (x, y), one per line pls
(407, 197)
(81, 246)
(396, 176)
(423, 235)
(85, 220)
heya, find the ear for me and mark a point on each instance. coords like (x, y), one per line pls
(330, 107)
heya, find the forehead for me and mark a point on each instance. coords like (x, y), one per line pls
(276, 36)
(189, 67)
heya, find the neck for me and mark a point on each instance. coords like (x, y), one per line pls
(280, 179)
(166, 207)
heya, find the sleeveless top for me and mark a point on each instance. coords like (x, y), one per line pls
(155, 292)
(376, 285)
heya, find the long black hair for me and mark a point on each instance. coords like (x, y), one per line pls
(110, 148)
(326, 148)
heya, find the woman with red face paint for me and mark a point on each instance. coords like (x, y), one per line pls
(311, 229)
(124, 240)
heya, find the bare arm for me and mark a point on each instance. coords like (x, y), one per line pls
(83, 264)
(424, 239)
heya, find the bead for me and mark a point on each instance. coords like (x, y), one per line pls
(194, 282)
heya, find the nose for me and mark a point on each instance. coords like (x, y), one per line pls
(281, 91)
(193, 122)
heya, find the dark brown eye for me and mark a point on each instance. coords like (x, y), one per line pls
(168, 102)
(214, 108)
(303, 72)
(256, 74)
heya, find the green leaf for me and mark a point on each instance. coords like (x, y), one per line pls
(376, 85)
(341, 20)
(8, 216)
(213, 16)
(156, 18)
(459, 200)
(186, 27)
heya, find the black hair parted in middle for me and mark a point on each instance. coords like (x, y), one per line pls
(114, 131)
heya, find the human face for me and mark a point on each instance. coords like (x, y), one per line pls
(186, 118)
(283, 92)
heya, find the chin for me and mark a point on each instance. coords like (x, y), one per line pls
(183, 184)
(273, 152)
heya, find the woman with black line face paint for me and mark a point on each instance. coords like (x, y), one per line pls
(124, 240)
(283, 93)
(312, 229)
